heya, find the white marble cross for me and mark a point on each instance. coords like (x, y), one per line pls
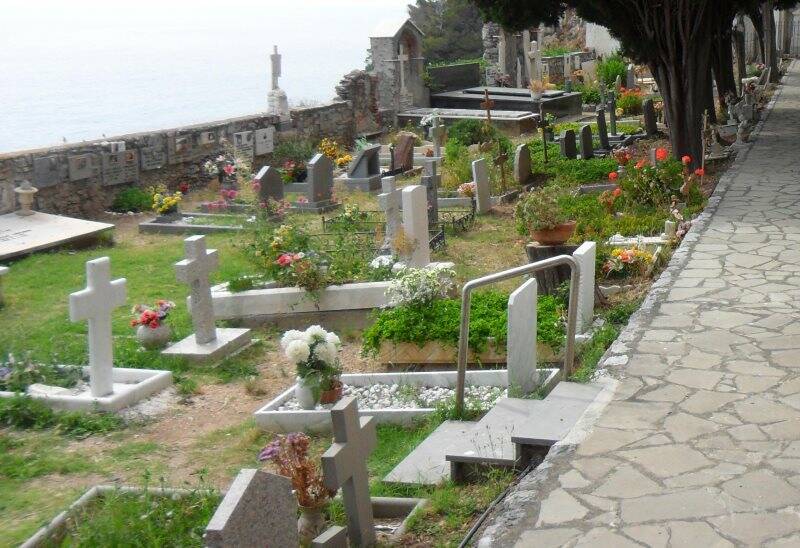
(402, 59)
(344, 465)
(390, 202)
(95, 304)
(437, 134)
(194, 271)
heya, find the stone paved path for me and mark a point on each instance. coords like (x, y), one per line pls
(700, 445)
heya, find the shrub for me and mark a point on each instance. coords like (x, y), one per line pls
(470, 132)
(610, 68)
(440, 321)
(590, 92)
(630, 101)
(457, 164)
(294, 149)
(540, 210)
(132, 199)
(653, 185)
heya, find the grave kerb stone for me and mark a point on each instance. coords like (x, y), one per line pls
(344, 466)
(95, 303)
(523, 374)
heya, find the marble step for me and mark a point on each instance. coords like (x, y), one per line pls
(426, 464)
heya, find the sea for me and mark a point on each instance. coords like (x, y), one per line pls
(83, 69)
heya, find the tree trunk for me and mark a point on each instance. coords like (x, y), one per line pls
(757, 18)
(740, 46)
(711, 108)
(770, 51)
(722, 64)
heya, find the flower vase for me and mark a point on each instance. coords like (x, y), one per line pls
(304, 394)
(310, 524)
(153, 338)
(537, 95)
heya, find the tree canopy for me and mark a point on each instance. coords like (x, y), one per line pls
(452, 29)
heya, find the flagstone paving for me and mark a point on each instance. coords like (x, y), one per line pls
(700, 443)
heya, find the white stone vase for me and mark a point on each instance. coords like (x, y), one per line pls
(153, 338)
(305, 394)
(310, 524)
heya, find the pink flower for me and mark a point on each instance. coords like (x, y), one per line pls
(302, 200)
(285, 259)
(229, 169)
(699, 171)
(686, 160)
(256, 186)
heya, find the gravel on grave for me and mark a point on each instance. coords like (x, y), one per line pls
(394, 396)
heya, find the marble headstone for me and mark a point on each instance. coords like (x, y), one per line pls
(195, 270)
(270, 184)
(259, 509)
(415, 225)
(585, 255)
(390, 201)
(587, 147)
(522, 372)
(480, 176)
(265, 140)
(522, 165)
(320, 179)
(569, 147)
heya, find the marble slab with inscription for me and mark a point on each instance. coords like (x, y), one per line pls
(244, 144)
(23, 235)
(265, 140)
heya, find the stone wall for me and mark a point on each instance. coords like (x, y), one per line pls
(454, 77)
(82, 179)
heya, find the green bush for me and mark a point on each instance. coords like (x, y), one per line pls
(590, 92)
(440, 320)
(611, 67)
(556, 51)
(595, 223)
(630, 101)
(457, 167)
(24, 412)
(471, 132)
(294, 149)
(132, 199)
(568, 172)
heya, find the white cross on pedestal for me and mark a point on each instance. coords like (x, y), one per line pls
(194, 270)
(275, 58)
(344, 465)
(95, 304)
(437, 134)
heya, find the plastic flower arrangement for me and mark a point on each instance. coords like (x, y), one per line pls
(163, 201)
(608, 198)
(627, 262)
(315, 353)
(420, 286)
(467, 189)
(151, 317)
(290, 454)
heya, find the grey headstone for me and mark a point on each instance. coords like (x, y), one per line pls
(367, 163)
(320, 178)
(585, 255)
(650, 120)
(522, 165)
(602, 130)
(271, 184)
(630, 76)
(483, 191)
(48, 171)
(569, 147)
(431, 181)
(244, 144)
(612, 112)
(194, 271)
(259, 509)
(82, 166)
(587, 147)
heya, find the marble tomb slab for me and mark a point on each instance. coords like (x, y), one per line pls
(24, 235)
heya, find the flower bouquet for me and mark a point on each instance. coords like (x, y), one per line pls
(627, 262)
(152, 331)
(315, 353)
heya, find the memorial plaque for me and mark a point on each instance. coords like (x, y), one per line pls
(208, 137)
(244, 144)
(179, 148)
(116, 146)
(152, 157)
(82, 166)
(120, 167)
(48, 171)
(265, 140)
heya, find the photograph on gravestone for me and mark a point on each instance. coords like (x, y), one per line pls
(244, 144)
(179, 148)
(258, 510)
(82, 166)
(49, 171)
(265, 140)
(207, 137)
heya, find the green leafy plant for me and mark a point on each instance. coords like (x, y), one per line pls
(23, 412)
(653, 185)
(471, 132)
(294, 149)
(540, 210)
(590, 92)
(17, 374)
(630, 101)
(610, 68)
(132, 199)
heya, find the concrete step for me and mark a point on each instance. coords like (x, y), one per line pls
(426, 464)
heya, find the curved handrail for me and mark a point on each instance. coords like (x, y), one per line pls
(466, 299)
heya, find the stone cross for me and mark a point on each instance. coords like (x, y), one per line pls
(96, 303)
(415, 225)
(568, 144)
(480, 176)
(390, 202)
(523, 374)
(487, 105)
(275, 58)
(344, 466)
(587, 147)
(585, 255)
(402, 59)
(194, 271)
(259, 509)
(437, 135)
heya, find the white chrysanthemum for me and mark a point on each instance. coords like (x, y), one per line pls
(333, 338)
(315, 333)
(291, 335)
(382, 261)
(326, 352)
(298, 351)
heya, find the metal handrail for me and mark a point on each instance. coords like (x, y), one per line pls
(466, 299)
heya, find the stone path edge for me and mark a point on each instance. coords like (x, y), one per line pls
(517, 504)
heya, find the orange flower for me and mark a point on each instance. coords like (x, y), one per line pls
(641, 163)
(613, 176)
(617, 192)
(699, 171)
(661, 154)
(686, 160)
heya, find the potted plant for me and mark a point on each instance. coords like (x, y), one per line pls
(537, 88)
(289, 453)
(315, 353)
(151, 331)
(540, 214)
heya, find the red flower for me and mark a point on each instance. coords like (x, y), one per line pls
(613, 176)
(686, 160)
(285, 259)
(183, 187)
(699, 171)
(617, 192)
(661, 154)
(640, 164)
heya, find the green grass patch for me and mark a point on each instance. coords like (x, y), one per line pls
(28, 458)
(23, 412)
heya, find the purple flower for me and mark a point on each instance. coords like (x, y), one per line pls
(270, 451)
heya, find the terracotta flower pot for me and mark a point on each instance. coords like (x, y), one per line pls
(333, 395)
(556, 235)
